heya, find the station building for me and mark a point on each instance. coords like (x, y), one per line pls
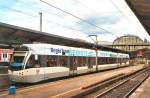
(5, 56)
(138, 49)
(130, 43)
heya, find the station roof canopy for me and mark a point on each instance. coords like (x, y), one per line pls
(141, 8)
(14, 35)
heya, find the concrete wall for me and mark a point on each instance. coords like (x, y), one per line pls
(4, 80)
(3, 69)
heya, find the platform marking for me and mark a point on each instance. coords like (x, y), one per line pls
(55, 96)
(58, 95)
(31, 87)
(35, 87)
(3, 94)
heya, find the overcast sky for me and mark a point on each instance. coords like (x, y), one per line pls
(114, 16)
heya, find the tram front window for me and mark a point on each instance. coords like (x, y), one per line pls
(18, 59)
(17, 64)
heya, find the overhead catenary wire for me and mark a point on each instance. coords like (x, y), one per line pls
(61, 25)
(23, 12)
(35, 16)
(67, 26)
(91, 10)
(78, 17)
(124, 15)
(41, 10)
(120, 10)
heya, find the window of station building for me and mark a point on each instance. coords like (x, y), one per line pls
(0, 57)
(4, 55)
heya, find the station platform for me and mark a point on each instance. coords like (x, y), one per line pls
(4, 80)
(58, 88)
(142, 91)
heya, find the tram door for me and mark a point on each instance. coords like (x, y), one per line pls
(88, 62)
(37, 69)
(73, 64)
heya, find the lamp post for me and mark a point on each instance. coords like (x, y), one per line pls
(96, 43)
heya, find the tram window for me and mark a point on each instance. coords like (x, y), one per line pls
(42, 59)
(30, 62)
(0, 56)
(81, 61)
(18, 59)
(56, 61)
(36, 57)
(4, 55)
(52, 61)
(63, 61)
(15, 68)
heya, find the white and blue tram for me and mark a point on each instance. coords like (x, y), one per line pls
(37, 62)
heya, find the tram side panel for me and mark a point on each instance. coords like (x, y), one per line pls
(58, 66)
(35, 66)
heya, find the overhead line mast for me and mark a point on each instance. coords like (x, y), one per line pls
(77, 17)
(40, 21)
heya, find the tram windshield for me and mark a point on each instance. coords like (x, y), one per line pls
(18, 58)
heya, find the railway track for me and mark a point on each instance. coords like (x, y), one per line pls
(121, 87)
(124, 89)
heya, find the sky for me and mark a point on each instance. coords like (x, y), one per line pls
(108, 19)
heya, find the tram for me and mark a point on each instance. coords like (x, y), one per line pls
(38, 62)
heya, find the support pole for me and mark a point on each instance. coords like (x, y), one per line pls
(40, 21)
(96, 44)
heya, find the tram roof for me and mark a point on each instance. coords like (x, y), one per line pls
(141, 10)
(14, 35)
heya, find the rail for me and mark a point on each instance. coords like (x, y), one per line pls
(103, 90)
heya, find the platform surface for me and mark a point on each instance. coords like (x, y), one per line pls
(142, 91)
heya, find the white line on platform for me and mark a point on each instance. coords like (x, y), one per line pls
(3, 94)
(32, 87)
(3, 74)
(61, 94)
